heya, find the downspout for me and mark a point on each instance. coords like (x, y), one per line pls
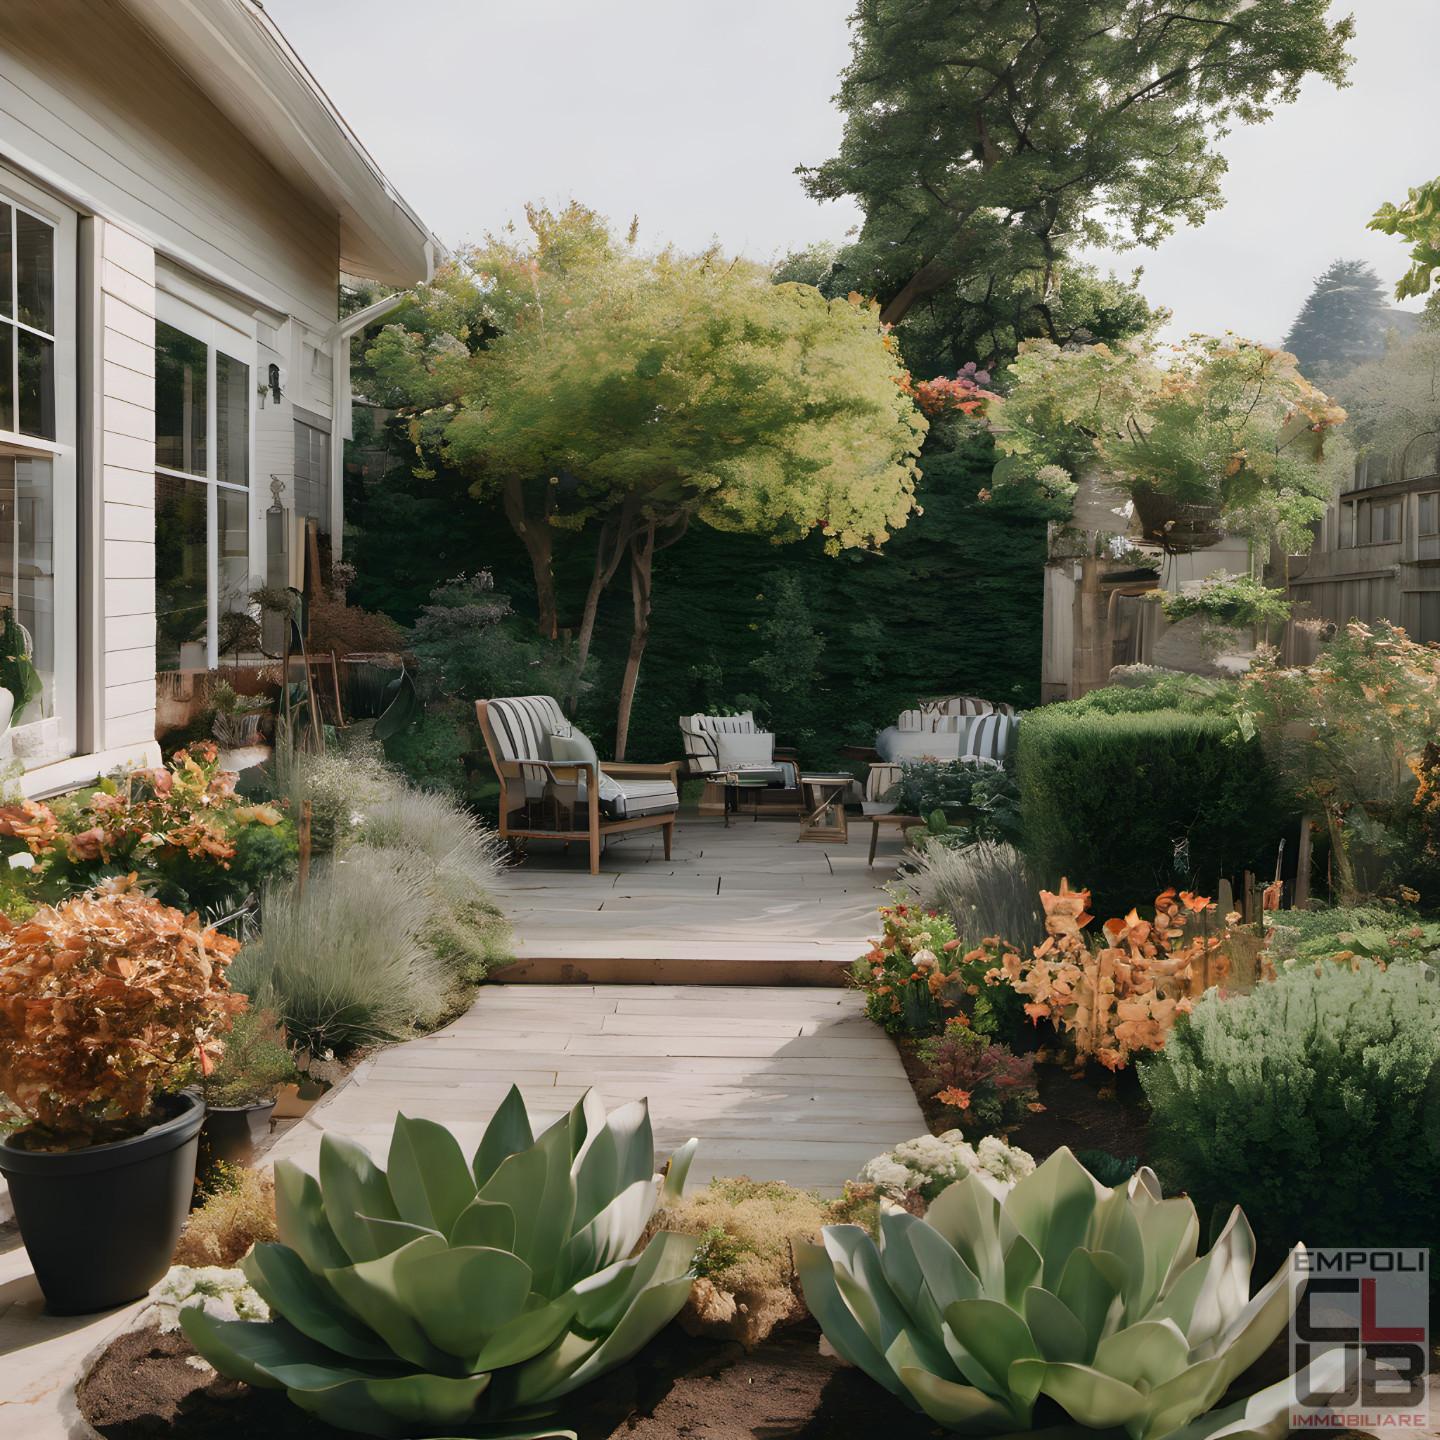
(341, 429)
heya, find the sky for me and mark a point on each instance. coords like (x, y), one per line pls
(694, 115)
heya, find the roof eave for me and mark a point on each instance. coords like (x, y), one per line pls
(237, 55)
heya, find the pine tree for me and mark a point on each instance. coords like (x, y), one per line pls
(1343, 322)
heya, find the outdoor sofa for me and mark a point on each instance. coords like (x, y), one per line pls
(959, 727)
(552, 787)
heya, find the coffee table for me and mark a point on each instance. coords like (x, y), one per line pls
(736, 782)
(822, 807)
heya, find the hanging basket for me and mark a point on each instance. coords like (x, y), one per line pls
(1176, 527)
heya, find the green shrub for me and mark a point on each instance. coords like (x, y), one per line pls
(1144, 688)
(1385, 934)
(978, 802)
(343, 964)
(339, 784)
(1311, 1103)
(1127, 804)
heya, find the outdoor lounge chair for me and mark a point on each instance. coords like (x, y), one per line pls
(553, 788)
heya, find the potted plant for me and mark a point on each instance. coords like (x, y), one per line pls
(20, 681)
(105, 1002)
(240, 1090)
(237, 718)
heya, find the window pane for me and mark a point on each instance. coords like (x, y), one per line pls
(1427, 605)
(312, 475)
(232, 420)
(1430, 513)
(233, 530)
(181, 574)
(180, 400)
(35, 271)
(5, 219)
(37, 385)
(27, 566)
(1347, 526)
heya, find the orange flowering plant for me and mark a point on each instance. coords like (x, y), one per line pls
(181, 828)
(1119, 992)
(102, 1001)
(910, 975)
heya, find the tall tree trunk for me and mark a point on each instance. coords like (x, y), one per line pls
(645, 539)
(539, 542)
(642, 568)
(609, 552)
(930, 277)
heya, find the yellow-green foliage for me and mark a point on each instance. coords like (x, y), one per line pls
(745, 1283)
(238, 1213)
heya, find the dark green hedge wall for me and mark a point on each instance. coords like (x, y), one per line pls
(831, 647)
(1127, 804)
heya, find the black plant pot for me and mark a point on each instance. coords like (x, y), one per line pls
(231, 1132)
(100, 1224)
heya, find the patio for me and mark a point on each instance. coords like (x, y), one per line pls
(747, 904)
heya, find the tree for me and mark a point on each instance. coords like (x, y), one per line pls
(1343, 321)
(985, 142)
(680, 388)
(629, 396)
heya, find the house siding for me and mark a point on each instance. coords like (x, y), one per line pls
(127, 451)
(118, 125)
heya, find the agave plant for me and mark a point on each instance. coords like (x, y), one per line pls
(1058, 1287)
(442, 1292)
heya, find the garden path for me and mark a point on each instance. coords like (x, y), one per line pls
(747, 904)
(790, 1084)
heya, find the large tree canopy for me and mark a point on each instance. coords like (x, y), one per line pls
(984, 141)
(589, 385)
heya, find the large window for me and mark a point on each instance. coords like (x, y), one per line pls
(1429, 512)
(1370, 522)
(37, 456)
(312, 471)
(202, 496)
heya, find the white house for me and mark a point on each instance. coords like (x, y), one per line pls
(178, 198)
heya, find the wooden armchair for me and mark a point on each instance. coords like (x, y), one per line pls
(569, 799)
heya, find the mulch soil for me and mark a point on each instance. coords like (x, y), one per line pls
(147, 1385)
(1091, 1111)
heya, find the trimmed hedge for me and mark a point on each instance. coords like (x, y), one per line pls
(1129, 803)
(1311, 1103)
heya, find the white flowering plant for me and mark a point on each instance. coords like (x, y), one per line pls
(928, 1164)
(225, 1294)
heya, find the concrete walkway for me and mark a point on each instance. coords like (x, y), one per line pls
(747, 904)
(779, 1084)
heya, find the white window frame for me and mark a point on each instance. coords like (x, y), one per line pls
(61, 452)
(218, 336)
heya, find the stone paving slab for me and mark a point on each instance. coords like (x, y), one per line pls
(750, 896)
(779, 1084)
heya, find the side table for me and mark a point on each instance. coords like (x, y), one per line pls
(822, 810)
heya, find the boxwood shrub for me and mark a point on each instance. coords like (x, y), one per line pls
(1127, 803)
(1313, 1102)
